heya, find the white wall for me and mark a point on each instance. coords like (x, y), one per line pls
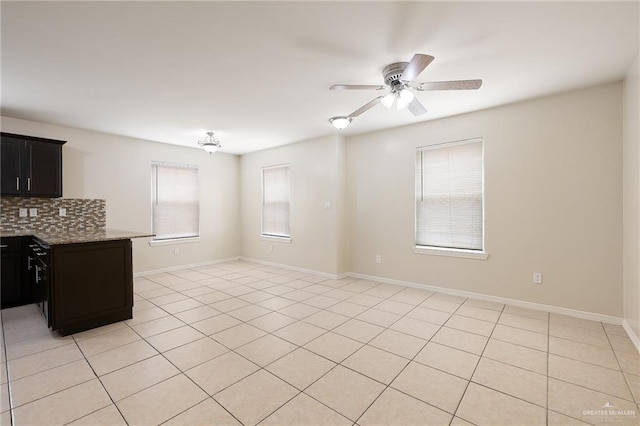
(342, 221)
(318, 237)
(553, 201)
(115, 168)
(631, 198)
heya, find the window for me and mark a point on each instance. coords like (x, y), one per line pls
(449, 196)
(275, 202)
(175, 203)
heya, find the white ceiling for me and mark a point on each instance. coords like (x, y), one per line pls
(258, 73)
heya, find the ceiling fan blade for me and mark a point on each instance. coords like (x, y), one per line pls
(418, 63)
(450, 85)
(416, 107)
(356, 87)
(366, 107)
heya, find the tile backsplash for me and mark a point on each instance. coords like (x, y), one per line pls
(80, 214)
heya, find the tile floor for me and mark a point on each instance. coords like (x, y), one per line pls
(242, 343)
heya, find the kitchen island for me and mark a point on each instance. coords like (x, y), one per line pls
(80, 279)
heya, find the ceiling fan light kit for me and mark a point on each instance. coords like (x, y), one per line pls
(398, 79)
(340, 122)
(404, 98)
(210, 144)
(388, 100)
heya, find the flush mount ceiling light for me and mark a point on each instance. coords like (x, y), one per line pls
(210, 144)
(340, 122)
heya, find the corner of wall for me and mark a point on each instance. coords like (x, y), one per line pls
(342, 222)
(318, 220)
(631, 202)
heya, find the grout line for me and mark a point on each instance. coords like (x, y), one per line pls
(203, 390)
(261, 368)
(6, 367)
(99, 380)
(389, 297)
(297, 289)
(326, 332)
(413, 358)
(180, 372)
(478, 363)
(624, 377)
(363, 344)
(254, 372)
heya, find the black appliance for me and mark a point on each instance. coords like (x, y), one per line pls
(39, 265)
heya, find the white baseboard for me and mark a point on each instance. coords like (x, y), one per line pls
(515, 302)
(634, 339)
(179, 267)
(295, 268)
(523, 304)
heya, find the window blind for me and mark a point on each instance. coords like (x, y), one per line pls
(175, 202)
(275, 201)
(449, 195)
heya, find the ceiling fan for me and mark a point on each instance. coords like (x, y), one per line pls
(398, 79)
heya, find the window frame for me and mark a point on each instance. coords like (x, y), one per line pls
(155, 241)
(273, 237)
(480, 254)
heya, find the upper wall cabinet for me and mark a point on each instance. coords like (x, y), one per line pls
(31, 166)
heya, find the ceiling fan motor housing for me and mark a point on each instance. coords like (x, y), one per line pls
(393, 72)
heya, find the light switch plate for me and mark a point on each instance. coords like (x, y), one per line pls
(33, 212)
(24, 212)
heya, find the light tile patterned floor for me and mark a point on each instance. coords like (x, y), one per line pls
(243, 343)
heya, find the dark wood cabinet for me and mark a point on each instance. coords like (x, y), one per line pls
(13, 291)
(31, 166)
(43, 169)
(11, 167)
(76, 286)
(90, 285)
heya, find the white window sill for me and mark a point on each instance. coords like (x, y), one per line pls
(467, 254)
(286, 240)
(172, 241)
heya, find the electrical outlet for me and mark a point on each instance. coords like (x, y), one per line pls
(24, 212)
(33, 212)
(378, 258)
(62, 211)
(537, 278)
(176, 251)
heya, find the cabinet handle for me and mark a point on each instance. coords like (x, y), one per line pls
(37, 274)
(3, 246)
(18, 183)
(29, 262)
(28, 184)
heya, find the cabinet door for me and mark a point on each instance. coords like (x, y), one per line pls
(91, 285)
(10, 181)
(11, 273)
(43, 169)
